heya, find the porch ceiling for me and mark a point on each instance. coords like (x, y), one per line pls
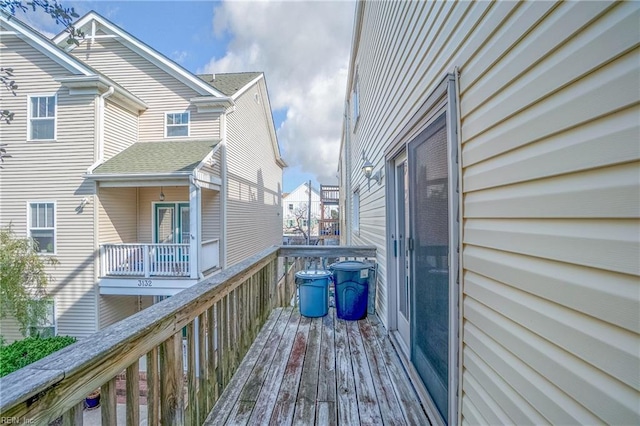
(157, 157)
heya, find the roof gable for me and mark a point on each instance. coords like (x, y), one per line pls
(44, 45)
(94, 25)
(231, 84)
(167, 157)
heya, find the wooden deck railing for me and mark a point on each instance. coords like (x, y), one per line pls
(221, 317)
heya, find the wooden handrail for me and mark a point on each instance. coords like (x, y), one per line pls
(328, 251)
(223, 314)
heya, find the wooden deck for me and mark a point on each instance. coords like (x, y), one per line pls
(319, 371)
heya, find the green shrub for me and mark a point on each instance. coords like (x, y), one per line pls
(23, 352)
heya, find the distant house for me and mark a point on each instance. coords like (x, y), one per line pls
(295, 214)
(503, 199)
(139, 176)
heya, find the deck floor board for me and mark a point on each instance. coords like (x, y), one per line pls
(320, 371)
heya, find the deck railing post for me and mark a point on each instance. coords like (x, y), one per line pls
(147, 261)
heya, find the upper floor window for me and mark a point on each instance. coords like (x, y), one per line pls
(42, 117)
(177, 124)
(42, 226)
(355, 101)
(290, 206)
(355, 219)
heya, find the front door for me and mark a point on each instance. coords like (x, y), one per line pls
(172, 227)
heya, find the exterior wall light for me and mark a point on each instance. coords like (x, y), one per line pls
(367, 169)
(161, 194)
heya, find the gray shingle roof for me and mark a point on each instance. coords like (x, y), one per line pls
(229, 83)
(158, 157)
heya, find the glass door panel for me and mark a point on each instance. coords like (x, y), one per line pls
(429, 226)
(401, 249)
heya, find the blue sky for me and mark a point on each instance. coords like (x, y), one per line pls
(302, 46)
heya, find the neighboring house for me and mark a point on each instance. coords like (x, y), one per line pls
(504, 138)
(295, 213)
(140, 177)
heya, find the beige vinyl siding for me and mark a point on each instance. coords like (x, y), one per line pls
(10, 330)
(52, 171)
(120, 129)
(118, 215)
(549, 110)
(160, 91)
(116, 308)
(210, 215)
(254, 179)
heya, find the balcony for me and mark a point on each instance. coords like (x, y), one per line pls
(159, 269)
(230, 348)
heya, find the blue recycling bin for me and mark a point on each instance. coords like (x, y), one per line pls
(313, 291)
(351, 279)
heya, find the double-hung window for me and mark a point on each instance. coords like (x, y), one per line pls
(42, 226)
(45, 326)
(355, 219)
(42, 117)
(177, 124)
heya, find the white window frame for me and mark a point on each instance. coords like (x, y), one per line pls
(30, 226)
(36, 329)
(30, 117)
(355, 211)
(166, 124)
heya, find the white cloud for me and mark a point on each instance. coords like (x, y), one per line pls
(303, 48)
(179, 55)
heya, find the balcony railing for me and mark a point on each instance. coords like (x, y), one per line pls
(221, 316)
(145, 260)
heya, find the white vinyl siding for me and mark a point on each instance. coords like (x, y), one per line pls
(42, 117)
(53, 171)
(550, 193)
(176, 124)
(160, 91)
(254, 179)
(42, 226)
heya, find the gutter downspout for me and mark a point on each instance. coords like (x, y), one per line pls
(224, 190)
(96, 223)
(195, 212)
(100, 128)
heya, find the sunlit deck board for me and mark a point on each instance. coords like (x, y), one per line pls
(319, 371)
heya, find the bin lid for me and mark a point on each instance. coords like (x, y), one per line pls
(313, 274)
(350, 265)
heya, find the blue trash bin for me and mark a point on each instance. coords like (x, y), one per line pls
(313, 290)
(351, 279)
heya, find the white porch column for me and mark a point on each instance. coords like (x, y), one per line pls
(194, 228)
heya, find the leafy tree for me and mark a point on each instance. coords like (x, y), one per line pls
(62, 16)
(23, 280)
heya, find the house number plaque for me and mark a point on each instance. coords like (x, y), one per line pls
(145, 283)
